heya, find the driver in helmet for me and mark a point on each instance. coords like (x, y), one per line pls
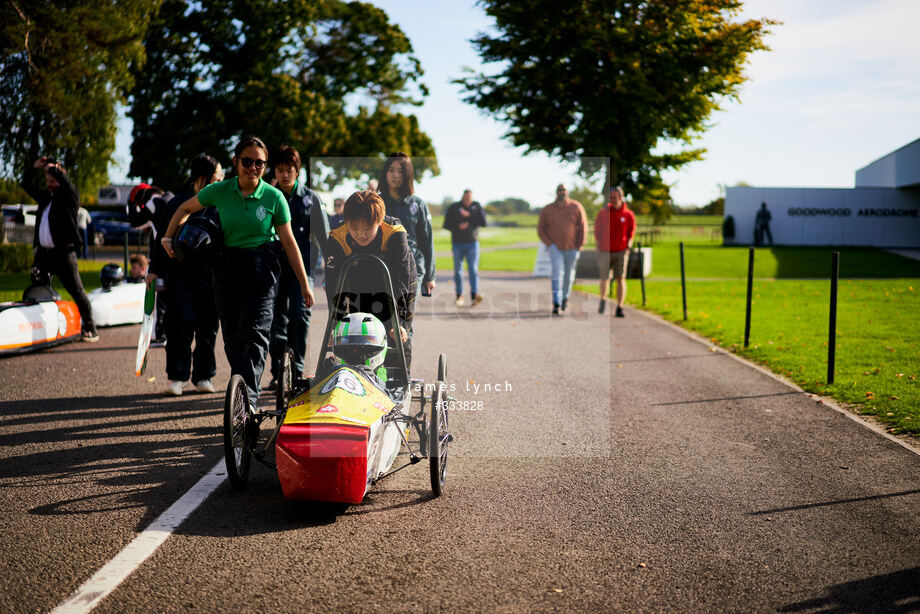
(368, 231)
(359, 340)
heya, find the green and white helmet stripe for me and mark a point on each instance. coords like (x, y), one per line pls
(360, 338)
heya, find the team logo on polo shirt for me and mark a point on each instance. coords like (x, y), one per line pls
(261, 213)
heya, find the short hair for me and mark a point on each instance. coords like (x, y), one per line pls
(140, 259)
(407, 187)
(250, 141)
(616, 188)
(287, 156)
(364, 206)
(202, 166)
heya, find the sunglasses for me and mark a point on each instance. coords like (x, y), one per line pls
(249, 163)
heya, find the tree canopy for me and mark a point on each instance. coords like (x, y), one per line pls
(326, 77)
(594, 79)
(63, 70)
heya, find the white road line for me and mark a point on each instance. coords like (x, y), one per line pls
(141, 547)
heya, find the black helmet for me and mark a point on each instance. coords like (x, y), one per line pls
(199, 239)
(110, 275)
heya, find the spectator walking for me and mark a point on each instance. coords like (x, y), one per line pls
(614, 229)
(57, 237)
(83, 222)
(562, 229)
(397, 187)
(187, 292)
(463, 220)
(310, 227)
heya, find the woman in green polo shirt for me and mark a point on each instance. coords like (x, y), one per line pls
(253, 217)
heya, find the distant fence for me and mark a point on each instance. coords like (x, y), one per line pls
(17, 233)
(671, 233)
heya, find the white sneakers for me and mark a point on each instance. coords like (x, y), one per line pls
(175, 388)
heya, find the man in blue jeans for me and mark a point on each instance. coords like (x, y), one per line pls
(562, 229)
(463, 220)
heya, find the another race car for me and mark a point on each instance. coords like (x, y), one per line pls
(40, 320)
(118, 301)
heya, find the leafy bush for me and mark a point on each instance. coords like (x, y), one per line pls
(15, 258)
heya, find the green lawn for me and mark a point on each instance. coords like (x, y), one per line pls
(518, 259)
(710, 261)
(13, 284)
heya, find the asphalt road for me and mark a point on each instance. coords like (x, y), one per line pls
(614, 465)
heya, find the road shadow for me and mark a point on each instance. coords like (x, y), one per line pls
(101, 454)
(808, 506)
(737, 398)
(894, 592)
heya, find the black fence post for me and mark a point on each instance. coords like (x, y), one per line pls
(832, 328)
(683, 280)
(642, 272)
(750, 291)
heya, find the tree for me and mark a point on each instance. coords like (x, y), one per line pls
(590, 198)
(612, 79)
(326, 77)
(62, 72)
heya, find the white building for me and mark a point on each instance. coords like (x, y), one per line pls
(883, 210)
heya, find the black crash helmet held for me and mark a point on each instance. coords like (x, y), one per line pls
(198, 240)
(110, 275)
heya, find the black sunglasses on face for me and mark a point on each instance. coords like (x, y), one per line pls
(249, 163)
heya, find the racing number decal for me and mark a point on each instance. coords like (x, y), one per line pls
(345, 380)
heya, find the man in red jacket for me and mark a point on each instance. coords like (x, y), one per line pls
(614, 229)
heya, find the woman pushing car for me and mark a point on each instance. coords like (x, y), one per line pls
(254, 218)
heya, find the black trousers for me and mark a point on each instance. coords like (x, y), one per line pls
(291, 322)
(63, 263)
(245, 288)
(192, 317)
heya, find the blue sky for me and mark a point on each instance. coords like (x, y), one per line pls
(839, 89)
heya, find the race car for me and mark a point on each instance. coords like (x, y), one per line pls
(339, 433)
(118, 301)
(38, 321)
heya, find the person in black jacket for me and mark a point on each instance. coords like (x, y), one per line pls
(189, 293)
(368, 231)
(397, 187)
(291, 320)
(57, 237)
(463, 220)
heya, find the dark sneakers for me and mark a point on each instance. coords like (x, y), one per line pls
(620, 313)
(602, 306)
(555, 309)
(565, 304)
(89, 336)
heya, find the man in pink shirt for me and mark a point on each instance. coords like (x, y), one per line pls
(562, 229)
(614, 229)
